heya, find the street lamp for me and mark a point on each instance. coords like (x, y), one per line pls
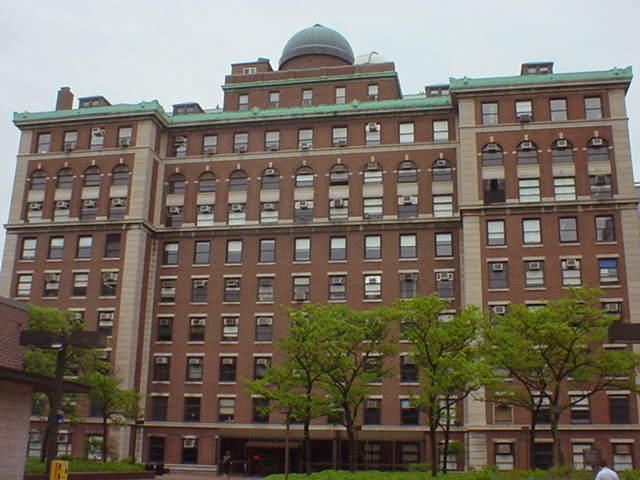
(286, 410)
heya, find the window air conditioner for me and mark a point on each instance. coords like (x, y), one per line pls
(90, 203)
(337, 280)
(240, 149)
(108, 316)
(236, 207)
(62, 205)
(175, 210)
(269, 172)
(51, 277)
(262, 321)
(597, 142)
(407, 199)
(272, 147)
(441, 163)
(300, 296)
(189, 443)
(497, 267)
(232, 282)
(526, 145)
(35, 206)
(124, 142)
(230, 321)
(195, 361)
(118, 202)
(179, 140)
(444, 277)
(63, 438)
(372, 280)
(197, 322)
(373, 127)
(571, 263)
(69, 146)
(266, 282)
(97, 132)
(262, 361)
(407, 277)
(372, 166)
(164, 322)
(205, 208)
(303, 204)
(492, 147)
(169, 284)
(269, 207)
(209, 150)
(337, 203)
(342, 142)
(373, 404)
(499, 309)
(200, 283)
(562, 143)
(524, 118)
(227, 361)
(162, 360)
(612, 307)
(534, 265)
(305, 145)
(504, 449)
(110, 277)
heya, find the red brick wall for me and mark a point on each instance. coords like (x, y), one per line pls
(13, 318)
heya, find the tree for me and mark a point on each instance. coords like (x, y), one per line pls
(554, 349)
(448, 355)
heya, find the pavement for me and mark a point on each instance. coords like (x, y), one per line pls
(201, 476)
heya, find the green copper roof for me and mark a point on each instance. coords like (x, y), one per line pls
(142, 108)
(616, 74)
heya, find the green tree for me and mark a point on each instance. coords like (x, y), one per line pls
(554, 349)
(447, 352)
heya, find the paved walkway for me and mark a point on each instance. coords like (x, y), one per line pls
(200, 476)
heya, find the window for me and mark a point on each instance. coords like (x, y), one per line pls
(228, 369)
(341, 95)
(571, 272)
(301, 288)
(170, 253)
(234, 251)
(529, 190)
(561, 151)
(274, 99)
(97, 139)
(265, 289)
(372, 287)
(580, 409)
(619, 412)
(372, 92)
(338, 248)
(260, 366)
(176, 184)
(600, 186)
(80, 284)
(372, 208)
(207, 182)
(64, 178)
(272, 141)
(597, 150)
(70, 141)
(524, 111)
(302, 250)
(164, 332)
(210, 144)
(408, 414)
(232, 290)
(226, 409)
(89, 209)
(502, 413)
(406, 132)
(605, 229)
(92, 177)
(408, 285)
(243, 102)
(558, 109)
(194, 369)
(339, 137)
(407, 206)
(125, 136)
(304, 177)
(159, 406)
(196, 329)
(201, 252)
(264, 329)
(199, 290)
(44, 143)
(83, 249)
(372, 412)
(441, 171)
(372, 173)
(564, 189)
(498, 275)
(260, 412)
(444, 244)
(240, 142)
(204, 215)
(61, 212)
(56, 246)
(112, 245)
(167, 290)
(337, 287)
(161, 368)
(568, 229)
(443, 205)
(592, 108)
(408, 370)
(440, 131)
(408, 245)
(267, 250)
(496, 232)
(531, 231)
(372, 134)
(338, 209)
(492, 155)
(339, 175)
(490, 114)
(237, 213)
(608, 269)
(307, 97)
(372, 247)
(109, 284)
(527, 153)
(305, 138)
(622, 456)
(494, 191)
(28, 251)
(238, 181)
(189, 450)
(534, 274)
(23, 288)
(504, 458)
(179, 147)
(38, 180)
(303, 211)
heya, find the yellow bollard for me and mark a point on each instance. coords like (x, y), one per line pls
(59, 470)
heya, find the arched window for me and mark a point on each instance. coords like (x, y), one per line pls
(270, 179)
(207, 182)
(176, 183)
(304, 177)
(238, 181)
(407, 172)
(339, 175)
(562, 151)
(372, 173)
(441, 170)
(92, 177)
(120, 175)
(64, 178)
(38, 180)
(527, 153)
(492, 155)
(597, 150)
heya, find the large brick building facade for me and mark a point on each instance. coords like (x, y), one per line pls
(182, 235)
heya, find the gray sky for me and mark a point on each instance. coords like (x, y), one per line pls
(178, 51)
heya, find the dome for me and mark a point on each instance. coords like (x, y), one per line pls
(317, 40)
(373, 57)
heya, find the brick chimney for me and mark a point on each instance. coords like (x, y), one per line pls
(65, 99)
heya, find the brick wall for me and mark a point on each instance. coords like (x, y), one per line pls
(13, 319)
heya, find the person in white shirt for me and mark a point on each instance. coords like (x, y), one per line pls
(605, 473)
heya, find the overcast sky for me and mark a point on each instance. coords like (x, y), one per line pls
(178, 51)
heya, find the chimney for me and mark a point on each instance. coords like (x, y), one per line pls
(65, 99)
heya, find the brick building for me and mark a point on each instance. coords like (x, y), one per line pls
(182, 234)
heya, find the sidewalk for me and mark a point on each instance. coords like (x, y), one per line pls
(200, 476)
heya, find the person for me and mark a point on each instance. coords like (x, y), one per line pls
(605, 473)
(225, 465)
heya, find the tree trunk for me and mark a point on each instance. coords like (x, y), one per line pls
(307, 445)
(433, 449)
(558, 458)
(532, 444)
(105, 439)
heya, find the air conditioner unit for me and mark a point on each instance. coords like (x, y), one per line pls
(497, 267)
(266, 282)
(492, 147)
(35, 206)
(562, 143)
(200, 283)
(189, 443)
(195, 361)
(175, 210)
(305, 145)
(97, 132)
(62, 205)
(240, 149)
(227, 361)
(441, 163)
(232, 282)
(373, 127)
(236, 207)
(230, 321)
(407, 199)
(124, 142)
(108, 316)
(597, 142)
(372, 166)
(179, 140)
(534, 265)
(499, 309)
(168, 284)
(197, 322)
(272, 147)
(209, 150)
(63, 438)
(407, 165)
(406, 360)
(110, 277)
(262, 321)
(269, 172)
(118, 202)
(262, 361)
(337, 203)
(162, 360)
(165, 322)
(612, 307)
(341, 142)
(526, 145)
(339, 169)
(372, 280)
(372, 98)
(407, 277)
(524, 118)
(504, 449)
(205, 208)
(269, 206)
(105, 324)
(90, 203)
(444, 277)
(69, 146)
(300, 296)
(373, 404)
(51, 277)
(337, 280)
(571, 263)
(303, 204)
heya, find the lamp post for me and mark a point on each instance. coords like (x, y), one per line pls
(286, 410)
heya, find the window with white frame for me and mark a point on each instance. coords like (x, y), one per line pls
(571, 272)
(372, 287)
(301, 288)
(406, 132)
(498, 277)
(534, 274)
(496, 233)
(608, 271)
(440, 131)
(564, 188)
(531, 231)
(529, 190)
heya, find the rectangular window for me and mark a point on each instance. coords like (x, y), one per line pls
(164, 332)
(444, 284)
(161, 368)
(302, 251)
(341, 95)
(228, 366)
(406, 132)
(338, 209)
(440, 131)
(337, 287)
(232, 290)
(260, 409)
(170, 253)
(272, 141)
(558, 108)
(303, 211)
(444, 244)
(174, 216)
(196, 329)
(608, 270)
(372, 287)
(189, 453)
(600, 186)
(372, 208)
(70, 141)
(23, 288)
(619, 412)
(496, 233)
(194, 369)
(372, 412)
(580, 409)
(230, 329)
(622, 456)
(494, 190)
(534, 274)
(167, 291)
(80, 284)
(97, 139)
(260, 366)
(571, 272)
(51, 284)
(408, 416)
(210, 144)
(408, 285)
(529, 190)
(524, 111)
(240, 142)
(109, 284)
(307, 97)
(339, 137)
(498, 277)
(442, 206)
(204, 215)
(112, 245)
(267, 250)
(264, 329)
(338, 248)
(564, 188)
(179, 146)
(504, 457)
(490, 114)
(274, 99)
(408, 245)
(372, 134)
(605, 229)
(28, 251)
(531, 231)
(44, 143)
(192, 409)
(226, 409)
(301, 288)
(56, 246)
(125, 136)
(243, 102)
(568, 229)
(372, 92)
(372, 247)
(159, 406)
(234, 251)
(593, 108)
(305, 139)
(199, 290)
(408, 370)
(265, 289)
(201, 252)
